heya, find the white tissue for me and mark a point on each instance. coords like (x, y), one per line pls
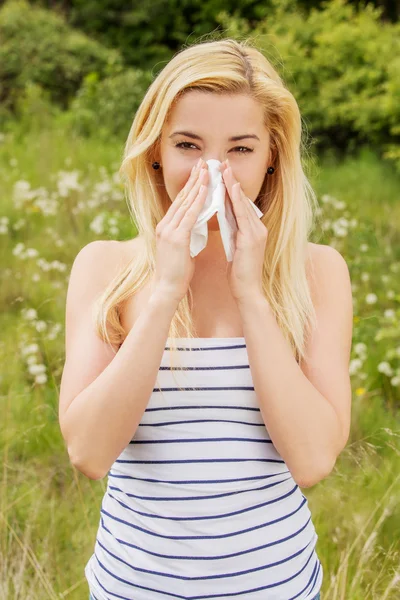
(215, 203)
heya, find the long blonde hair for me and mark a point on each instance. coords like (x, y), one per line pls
(287, 199)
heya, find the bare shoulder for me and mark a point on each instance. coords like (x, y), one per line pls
(325, 267)
(318, 250)
(102, 260)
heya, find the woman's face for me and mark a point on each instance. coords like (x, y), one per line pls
(209, 121)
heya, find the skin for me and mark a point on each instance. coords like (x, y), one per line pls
(215, 119)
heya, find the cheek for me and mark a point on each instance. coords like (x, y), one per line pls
(255, 185)
(249, 186)
(175, 181)
(175, 172)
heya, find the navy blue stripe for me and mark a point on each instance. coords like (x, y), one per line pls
(314, 579)
(207, 537)
(157, 516)
(113, 593)
(184, 481)
(183, 440)
(200, 460)
(186, 349)
(221, 557)
(208, 577)
(205, 368)
(316, 566)
(204, 389)
(225, 594)
(192, 406)
(201, 597)
(200, 421)
(210, 497)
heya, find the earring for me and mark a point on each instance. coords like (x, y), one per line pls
(270, 170)
(156, 165)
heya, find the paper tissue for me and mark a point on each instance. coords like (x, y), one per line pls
(215, 203)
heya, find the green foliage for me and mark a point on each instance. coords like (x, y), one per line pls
(105, 107)
(38, 47)
(149, 33)
(343, 67)
(341, 63)
(61, 192)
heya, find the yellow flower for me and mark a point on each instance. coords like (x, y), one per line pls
(356, 319)
(360, 391)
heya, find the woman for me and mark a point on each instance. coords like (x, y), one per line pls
(205, 460)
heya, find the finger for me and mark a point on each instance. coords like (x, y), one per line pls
(253, 222)
(191, 215)
(239, 207)
(191, 197)
(230, 182)
(195, 174)
(182, 195)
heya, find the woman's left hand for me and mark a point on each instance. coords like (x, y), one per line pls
(245, 271)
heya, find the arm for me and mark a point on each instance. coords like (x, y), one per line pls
(100, 420)
(306, 408)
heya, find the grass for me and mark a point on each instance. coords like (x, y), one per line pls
(49, 512)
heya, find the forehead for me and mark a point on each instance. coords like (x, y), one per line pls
(210, 112)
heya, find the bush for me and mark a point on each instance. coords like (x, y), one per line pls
(343, 67)
(107, 107)
(37, 47)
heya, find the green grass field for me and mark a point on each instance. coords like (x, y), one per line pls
(59, 193)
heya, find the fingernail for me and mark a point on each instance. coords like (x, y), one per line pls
(199, 163)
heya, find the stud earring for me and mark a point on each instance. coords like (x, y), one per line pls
(270, 170)
(156, 165)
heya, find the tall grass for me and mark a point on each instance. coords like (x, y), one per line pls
(60, 192)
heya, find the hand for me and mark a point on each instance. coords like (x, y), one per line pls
(174, 265)
(245, 271)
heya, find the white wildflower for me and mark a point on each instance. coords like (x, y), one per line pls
(354, 365)
(30, 349)
(36, 369)
(389, 313)
(29, 314)
(18, 249)
(371, 298)
(384, 367)
(360, 348)
(31, 252)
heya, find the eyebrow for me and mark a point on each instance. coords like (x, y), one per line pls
(234, 138)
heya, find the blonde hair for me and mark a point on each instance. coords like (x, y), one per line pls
(287, 200)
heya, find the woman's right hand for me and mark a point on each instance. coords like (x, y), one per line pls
(174, 265)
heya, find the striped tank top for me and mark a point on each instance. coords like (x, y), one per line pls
(200, 505)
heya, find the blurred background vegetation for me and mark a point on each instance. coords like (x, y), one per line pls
(72, 74)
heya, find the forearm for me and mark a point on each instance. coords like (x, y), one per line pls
(302, 424)
(103, 418)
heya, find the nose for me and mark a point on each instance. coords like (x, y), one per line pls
(221, 166)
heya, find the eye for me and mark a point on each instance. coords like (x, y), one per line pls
(246, 150)
(237, 148)
(180, 145)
